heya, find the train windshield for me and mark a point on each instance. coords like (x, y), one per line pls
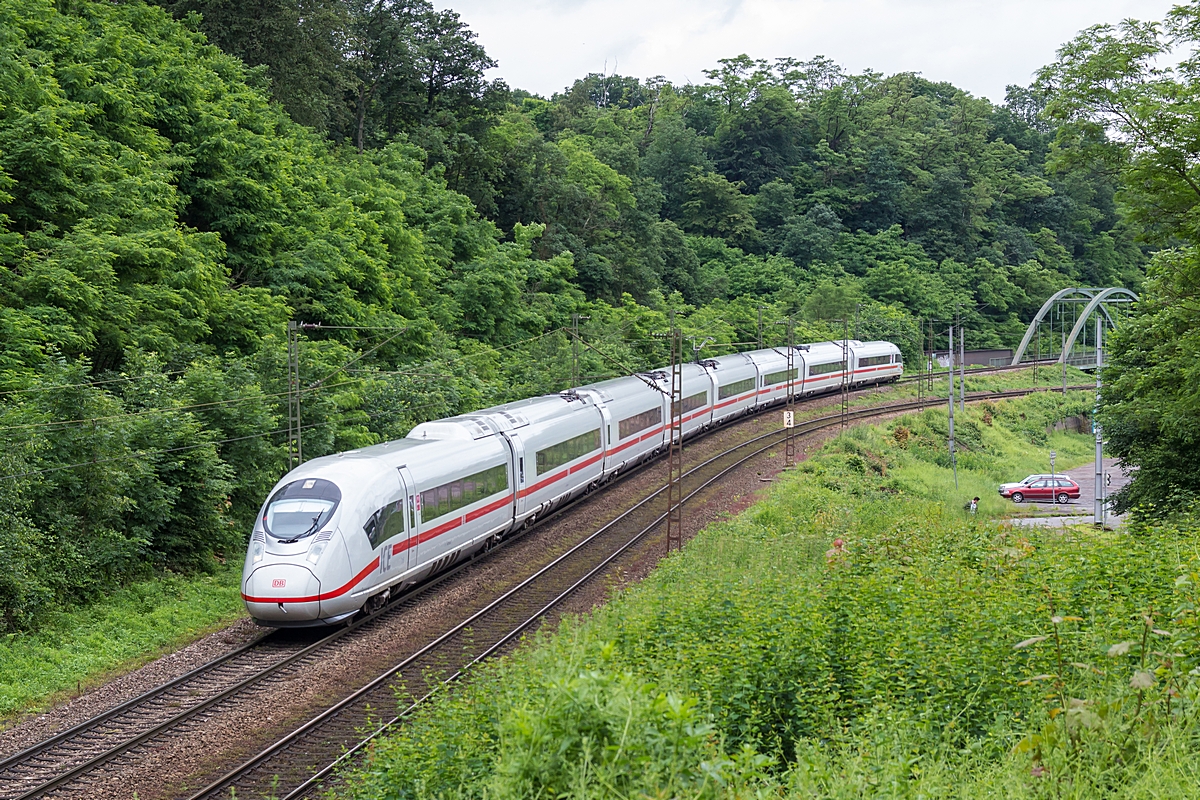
(301, 508)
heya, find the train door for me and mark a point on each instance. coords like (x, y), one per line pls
(522, 472)
(608, 433)
(412, 503)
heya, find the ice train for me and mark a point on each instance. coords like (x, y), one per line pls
(342, 533)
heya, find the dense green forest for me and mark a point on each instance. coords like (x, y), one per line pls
(178, 182)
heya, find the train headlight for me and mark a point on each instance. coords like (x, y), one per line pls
(256, 552)
(314, 552)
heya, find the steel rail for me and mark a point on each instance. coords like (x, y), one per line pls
(402, 602)
(104, 716)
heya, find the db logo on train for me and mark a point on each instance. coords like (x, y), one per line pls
(278, 583)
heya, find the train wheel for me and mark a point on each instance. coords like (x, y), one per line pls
(375, 604)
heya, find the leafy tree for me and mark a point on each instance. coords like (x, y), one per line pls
(1117, 105)
(759, 143)
(1151, 406)
(675, 152)
(717, 207)
(298, 43)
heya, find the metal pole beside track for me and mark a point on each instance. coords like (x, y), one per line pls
(675, 447)
(962, 370)
(921, 348)
(1099, 492)
(295, 447)
(950, 372)
(790, 445)
(845, 371)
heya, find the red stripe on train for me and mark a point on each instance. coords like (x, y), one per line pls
(338, 592)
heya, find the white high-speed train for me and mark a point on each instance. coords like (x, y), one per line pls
(344, 532)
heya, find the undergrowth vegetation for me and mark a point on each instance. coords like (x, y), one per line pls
(77, 648)
(857, 633)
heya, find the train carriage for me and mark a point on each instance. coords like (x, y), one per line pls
(826, 366)
(342, 528)
(736, 380)
(460, 495)
(632, 411)
(876, 362)
(773, 374)
(697, 395)
(559, 452)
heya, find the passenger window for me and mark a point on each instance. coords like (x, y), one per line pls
(736, 388)
(464, 491)
(691, 403)
(556, 455)
(394, 524)
(640, 422)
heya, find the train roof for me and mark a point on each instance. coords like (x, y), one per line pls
(876, 347)
(618, 388)
(490, 421)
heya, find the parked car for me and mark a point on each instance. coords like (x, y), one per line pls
(1025, 482)
(1057, 488)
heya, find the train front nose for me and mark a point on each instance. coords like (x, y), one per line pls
(282, 594)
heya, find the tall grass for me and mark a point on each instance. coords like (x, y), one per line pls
(857, 633)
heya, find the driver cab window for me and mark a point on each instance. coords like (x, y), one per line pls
(385, 523)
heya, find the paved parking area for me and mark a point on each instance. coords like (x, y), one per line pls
(1076, 511)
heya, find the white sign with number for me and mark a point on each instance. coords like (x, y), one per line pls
(789, 419)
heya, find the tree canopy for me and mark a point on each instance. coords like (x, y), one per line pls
(178, 182)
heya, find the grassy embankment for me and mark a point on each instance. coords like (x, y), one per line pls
(81, 647)
(930, 654)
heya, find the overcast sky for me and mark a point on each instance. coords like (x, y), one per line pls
(978, 45)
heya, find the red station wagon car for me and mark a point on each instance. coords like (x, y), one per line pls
(1058, 488)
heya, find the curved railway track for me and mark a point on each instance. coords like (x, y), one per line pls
(61, 765)
(286, 768)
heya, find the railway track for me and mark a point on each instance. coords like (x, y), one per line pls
(286, 769)
(60, 766)
(45, 768)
